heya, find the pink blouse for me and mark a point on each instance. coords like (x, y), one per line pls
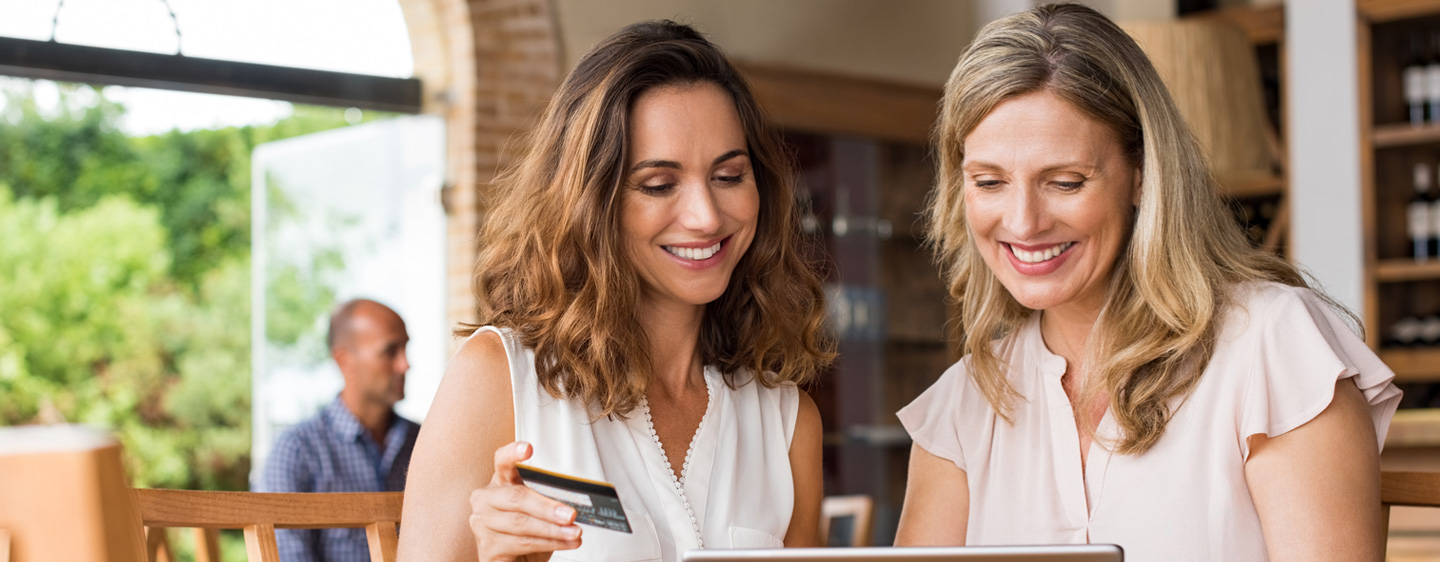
(1280, 351)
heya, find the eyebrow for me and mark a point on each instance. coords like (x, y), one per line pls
(1090, 167)
(673, 165)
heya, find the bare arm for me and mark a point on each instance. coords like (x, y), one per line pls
(462, 498)
(1317, 487)
(805, 467)
(937, 502)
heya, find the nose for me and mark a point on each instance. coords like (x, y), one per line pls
(1025, 215)
(699, 210)
(402, 362)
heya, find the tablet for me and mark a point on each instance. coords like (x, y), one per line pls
(1055, 553)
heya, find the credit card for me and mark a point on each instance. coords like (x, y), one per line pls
(596, 503)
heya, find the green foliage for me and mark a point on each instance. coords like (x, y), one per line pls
(125, 283)
(198, 180)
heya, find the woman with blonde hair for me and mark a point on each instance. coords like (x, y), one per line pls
(645, 315)
(1134, 371)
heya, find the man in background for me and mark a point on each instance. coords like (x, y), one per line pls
(355, 444)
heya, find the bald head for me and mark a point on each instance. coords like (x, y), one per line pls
(346, 316)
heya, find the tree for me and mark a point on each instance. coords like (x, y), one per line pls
(125, 283)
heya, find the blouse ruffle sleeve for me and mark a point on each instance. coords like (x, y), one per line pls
(1302, 349)
(931, 419)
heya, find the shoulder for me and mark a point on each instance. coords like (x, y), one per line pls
(807, 416)
(483, 358)
(473, 410)
(1266, 299)
(1268, 309)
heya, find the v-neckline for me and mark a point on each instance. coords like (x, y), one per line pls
(679, 476)
(1070, 466)
(678, 481)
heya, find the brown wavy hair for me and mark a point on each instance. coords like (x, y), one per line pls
(553, 269)
(1186, 252)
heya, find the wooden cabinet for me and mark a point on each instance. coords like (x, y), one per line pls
(865, 170)
(1396, 285)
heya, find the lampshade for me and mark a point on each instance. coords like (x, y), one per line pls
(1211, 71)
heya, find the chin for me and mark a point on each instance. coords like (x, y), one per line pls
(1036, 298)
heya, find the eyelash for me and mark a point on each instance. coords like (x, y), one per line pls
(655, 189)
(665, 188)
(1064, 185)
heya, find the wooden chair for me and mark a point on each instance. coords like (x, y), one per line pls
(259, 514)
(845, 520)
(64, 496)
(1413, 534)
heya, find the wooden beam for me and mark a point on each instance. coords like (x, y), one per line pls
(1263, 25)
(95, 65)
(1378, 11)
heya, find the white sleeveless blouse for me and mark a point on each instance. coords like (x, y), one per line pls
(736, 491)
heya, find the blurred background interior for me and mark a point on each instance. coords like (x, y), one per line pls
(187, 187)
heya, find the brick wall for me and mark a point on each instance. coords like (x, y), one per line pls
(488, 66)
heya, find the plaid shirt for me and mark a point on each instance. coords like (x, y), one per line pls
(332, 452)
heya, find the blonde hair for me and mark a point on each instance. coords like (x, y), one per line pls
(1158, 327)
(552, 267)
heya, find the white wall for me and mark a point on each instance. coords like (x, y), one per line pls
(1323, 129)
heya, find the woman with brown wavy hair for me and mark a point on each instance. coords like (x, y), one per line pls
(1135, 372)
(645, 314)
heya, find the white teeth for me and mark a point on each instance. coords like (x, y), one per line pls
(1042, 255)
(695, 254)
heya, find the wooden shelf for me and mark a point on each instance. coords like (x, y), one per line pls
(1258, 184)
(1413, 365)
(1419, 427)
(1405, 134)
(1389, 10)
(1263, 25)
(1391, 271)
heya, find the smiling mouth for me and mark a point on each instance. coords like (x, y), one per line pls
(1042, 255)
(694, 254)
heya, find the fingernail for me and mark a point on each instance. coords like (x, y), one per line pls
(564, 512)
(520, 449)
(572, 532)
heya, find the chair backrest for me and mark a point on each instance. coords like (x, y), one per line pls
(64, 496)
(1412, 533)
(845, 520)
(259, 514)
(1419, 489)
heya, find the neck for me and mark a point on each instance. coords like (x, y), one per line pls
(1067, 333)
(673, 330)
(375, 418)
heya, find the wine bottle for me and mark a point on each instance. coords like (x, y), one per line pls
(1406, 332)
(1429, 333)
(1432, 78)
(1414, 81)
(1434, 198)
(1417, 218)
